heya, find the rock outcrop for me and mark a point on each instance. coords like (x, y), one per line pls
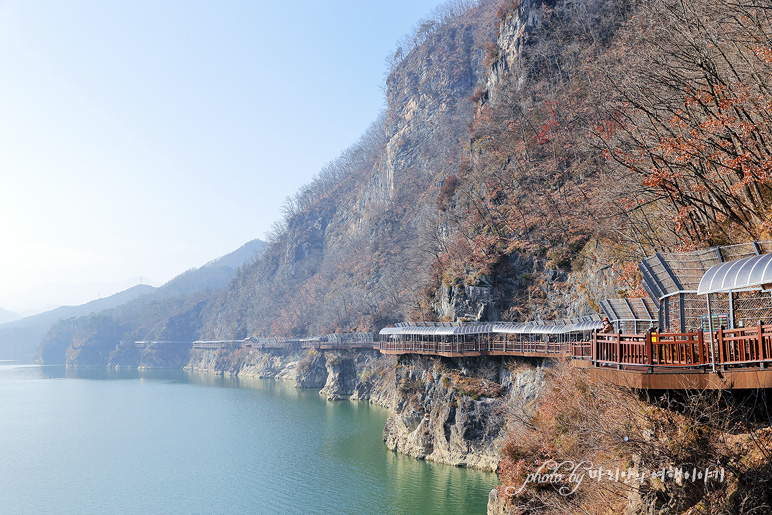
(464, 302)
(336, 372)
(454, 411)
(497, 504)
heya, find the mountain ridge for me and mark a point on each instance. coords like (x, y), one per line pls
(8, 316)
(21, 338)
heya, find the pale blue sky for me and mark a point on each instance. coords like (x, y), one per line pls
(144, 138)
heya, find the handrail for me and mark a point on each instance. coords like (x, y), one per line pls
(732, 347)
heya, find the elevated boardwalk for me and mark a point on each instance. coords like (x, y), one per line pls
(736, 358)
(476, 349)
(325, 342)
(148, 344)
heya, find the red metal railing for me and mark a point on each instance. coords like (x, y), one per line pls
(743, 346)
(731, 347)
(581, 350)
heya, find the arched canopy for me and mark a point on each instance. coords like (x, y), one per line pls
(583, 327)
(521, 328)
(437, 330)
(454, 328)
(741, 274)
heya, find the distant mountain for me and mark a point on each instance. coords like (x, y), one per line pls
(8, 316)
(214, 274)
(243, 255)
(169, 312)
(52, 294)
(19, 339)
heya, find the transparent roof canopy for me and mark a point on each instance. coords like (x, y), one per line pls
(451, 329)
(747, 273)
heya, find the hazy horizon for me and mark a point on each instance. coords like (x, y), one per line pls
(67, 294)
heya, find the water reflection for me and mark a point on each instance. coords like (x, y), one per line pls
(446, 489)
(14, 370)
(274, 386)
(107, 374)
(299, 457)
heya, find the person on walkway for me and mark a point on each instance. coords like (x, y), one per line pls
(607, 327)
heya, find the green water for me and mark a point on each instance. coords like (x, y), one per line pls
(172, 442)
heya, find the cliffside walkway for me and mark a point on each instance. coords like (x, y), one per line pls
(736, 359)
(325, 342)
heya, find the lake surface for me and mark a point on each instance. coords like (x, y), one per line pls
(173, 442)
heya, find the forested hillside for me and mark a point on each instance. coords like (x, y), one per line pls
(355, 247)
(475, 196)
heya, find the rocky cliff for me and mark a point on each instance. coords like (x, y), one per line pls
(454, 411)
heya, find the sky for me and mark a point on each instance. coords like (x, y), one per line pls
(142, 138)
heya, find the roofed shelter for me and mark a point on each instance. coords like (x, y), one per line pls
(751, 276)
(672, 281)
(631, 315)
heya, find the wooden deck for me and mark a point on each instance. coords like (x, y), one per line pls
(737, 359)
(732, 379)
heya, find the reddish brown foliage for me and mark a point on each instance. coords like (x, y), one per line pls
(690, 128)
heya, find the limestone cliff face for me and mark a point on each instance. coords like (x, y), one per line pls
(273, 364)
(342, 376)
(465, 302)
(429, 108)
(453, 412)
(514, 34)
(338, 373)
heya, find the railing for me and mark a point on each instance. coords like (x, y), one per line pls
(486, 346)
(528, 347)
(731, 347)
(743, 346)
(650, 349)
(146, 344)
(617, 347)
(581, 350)
(679, 349)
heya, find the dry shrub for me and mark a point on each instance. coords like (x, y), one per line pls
(585, 427)
(476, 387)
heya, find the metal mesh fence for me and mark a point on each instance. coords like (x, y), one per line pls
(673, 278)
(631, 326)
(695, 308)
(670, 313)
(751, 306)
(631, 315)
(347, 338)
(670, 273)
